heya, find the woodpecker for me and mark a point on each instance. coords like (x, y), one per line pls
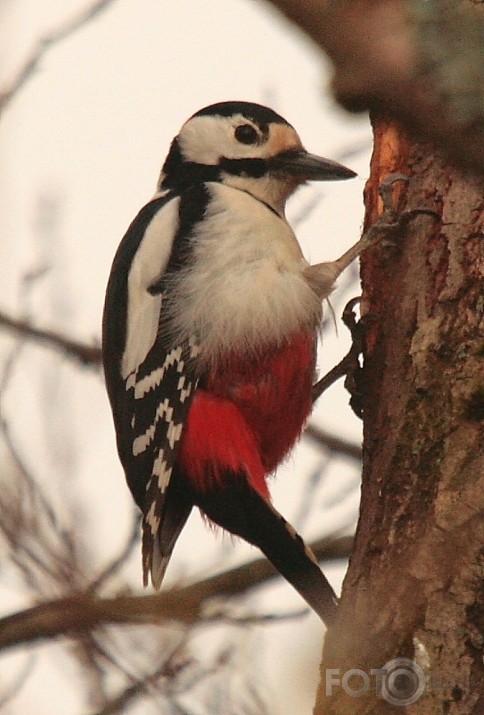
(209, 337)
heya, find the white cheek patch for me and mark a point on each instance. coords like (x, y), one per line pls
(204, 140)
(148, 265)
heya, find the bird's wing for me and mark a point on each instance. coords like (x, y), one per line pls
(149, 375)
(160, 400)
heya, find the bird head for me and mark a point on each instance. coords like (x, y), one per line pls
(246, 146)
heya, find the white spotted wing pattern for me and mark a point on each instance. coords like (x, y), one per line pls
(160, 404)
(150, 374)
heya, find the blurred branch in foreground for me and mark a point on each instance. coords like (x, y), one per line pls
(81, 613)
(407, 60)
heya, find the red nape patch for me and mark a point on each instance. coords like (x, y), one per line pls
(216, 441)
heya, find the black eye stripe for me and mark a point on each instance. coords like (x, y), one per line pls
(246, 134)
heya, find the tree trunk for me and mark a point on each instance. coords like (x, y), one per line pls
(414, 585)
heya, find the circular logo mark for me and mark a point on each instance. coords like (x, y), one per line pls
(404, 682)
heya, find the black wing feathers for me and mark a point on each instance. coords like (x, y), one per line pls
(116, 303)
(151, 405)
(165, 508)
(167, 407)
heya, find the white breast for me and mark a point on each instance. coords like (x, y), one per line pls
(246, 286)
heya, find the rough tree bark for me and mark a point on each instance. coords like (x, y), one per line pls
(414, 585)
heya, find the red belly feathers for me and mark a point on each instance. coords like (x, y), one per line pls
(249, 414)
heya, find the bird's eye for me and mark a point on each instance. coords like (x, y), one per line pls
(246, 134)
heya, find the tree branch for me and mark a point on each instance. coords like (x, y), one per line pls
(332, 443)
(89, 355)
(74, 615)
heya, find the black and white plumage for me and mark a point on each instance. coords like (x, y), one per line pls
(150, 375)
(210, 306)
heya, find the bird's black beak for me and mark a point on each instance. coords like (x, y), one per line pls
(302, 166)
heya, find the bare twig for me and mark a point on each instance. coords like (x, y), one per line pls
(45, 44)
(137, 688)
(86, 651)
(332, 443)
(112, 568)
(40, 548)
(78, 614)
(12, 690)
(85, 354)
(174, 666)
(170, 663)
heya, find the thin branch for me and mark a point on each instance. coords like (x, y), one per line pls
(89, 355)
(176, 663)
(40, 547)
(171, 662)
(78, 614)
(87, 652)
(45, 44)
(133, 691)
(332, 443)
(112, 568)
(12, 690)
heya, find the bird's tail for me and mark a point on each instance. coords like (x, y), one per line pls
(163, 521)
(241, 510)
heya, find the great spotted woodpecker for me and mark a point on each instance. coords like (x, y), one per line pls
(209, 337)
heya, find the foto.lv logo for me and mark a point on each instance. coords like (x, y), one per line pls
(401, 681)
